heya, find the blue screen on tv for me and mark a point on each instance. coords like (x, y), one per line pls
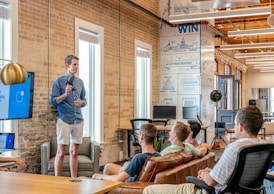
(16, 100)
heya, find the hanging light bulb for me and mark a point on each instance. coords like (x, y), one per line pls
(13, 73)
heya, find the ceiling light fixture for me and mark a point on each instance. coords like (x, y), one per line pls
(176, 19)
(252, 32)
(258, 62)
(246, 46)
(13, 73)
(253, 54)
(267, 71)
(263, 66)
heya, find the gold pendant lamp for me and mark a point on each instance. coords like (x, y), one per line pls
(13, 73)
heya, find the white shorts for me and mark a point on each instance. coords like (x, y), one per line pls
(69, 133)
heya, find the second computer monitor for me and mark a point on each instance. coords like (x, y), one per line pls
(164, 112)
(189, 112)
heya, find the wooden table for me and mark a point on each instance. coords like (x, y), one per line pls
(159, 128)
(24, 183)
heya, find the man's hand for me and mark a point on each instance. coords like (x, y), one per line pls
(4, 169)
(97, 176)
(202, 171)
(21, 163)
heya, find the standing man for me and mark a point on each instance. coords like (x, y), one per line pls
(68, 95)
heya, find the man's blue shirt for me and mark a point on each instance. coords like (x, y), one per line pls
(68, 112)
(136, 164)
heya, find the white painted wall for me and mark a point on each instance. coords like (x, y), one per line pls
(255, 79)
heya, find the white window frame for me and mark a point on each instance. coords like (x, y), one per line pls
(97, 127)
(10, 52)
(146, 113)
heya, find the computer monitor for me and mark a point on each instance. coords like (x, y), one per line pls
(164, 112)
(189, 112)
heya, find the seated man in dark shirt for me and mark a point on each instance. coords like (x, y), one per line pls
(130, 172)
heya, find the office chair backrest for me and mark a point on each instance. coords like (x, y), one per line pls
(160, 121)
(136, 123)
(250, 170)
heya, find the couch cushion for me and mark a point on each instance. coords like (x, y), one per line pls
(153, 165)
(84, 163)
(84, 148)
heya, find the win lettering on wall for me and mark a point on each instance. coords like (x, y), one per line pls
(188, 28)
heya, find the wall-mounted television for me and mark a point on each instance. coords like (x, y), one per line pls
(16, 100)
(164, 112)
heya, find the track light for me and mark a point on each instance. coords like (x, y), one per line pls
(252, 32)
(176, 19)
(246, 46)
(255, 54)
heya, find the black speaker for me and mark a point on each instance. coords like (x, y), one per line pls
(252, 102)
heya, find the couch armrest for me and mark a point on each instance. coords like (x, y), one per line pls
(45, 149)
(95, 155)
(131, 187)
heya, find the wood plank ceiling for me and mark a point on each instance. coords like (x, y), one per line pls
(246, 23)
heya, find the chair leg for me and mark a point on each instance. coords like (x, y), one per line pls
(223, 140)
(213, 141)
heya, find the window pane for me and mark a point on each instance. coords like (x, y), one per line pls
(142, 81)
(89, 39)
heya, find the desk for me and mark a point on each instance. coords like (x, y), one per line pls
(159, 128)
(22, 183)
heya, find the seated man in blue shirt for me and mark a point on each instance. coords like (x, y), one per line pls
(130, 173)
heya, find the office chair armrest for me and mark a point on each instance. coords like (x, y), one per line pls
(200, 184)
(269, 177)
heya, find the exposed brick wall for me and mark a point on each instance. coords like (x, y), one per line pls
(122, 23)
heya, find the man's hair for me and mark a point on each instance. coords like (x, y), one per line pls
(251, 118)
(195, 127)
(69, 58)
(150, 131)
(182, 130)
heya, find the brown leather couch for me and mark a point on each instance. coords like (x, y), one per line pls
(168, 169)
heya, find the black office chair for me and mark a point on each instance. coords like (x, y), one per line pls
(219, 132)
(160, 121)
(250, 170)
(136, 124)
(161, 135)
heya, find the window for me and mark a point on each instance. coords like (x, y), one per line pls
(8, 46)
(227, 70)
(142, 79)
(238, 89)
(89, 46)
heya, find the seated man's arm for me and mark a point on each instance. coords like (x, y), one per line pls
(205, 176)
(122, 176)
(16, 160)
(4, 169)
(204, 149)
